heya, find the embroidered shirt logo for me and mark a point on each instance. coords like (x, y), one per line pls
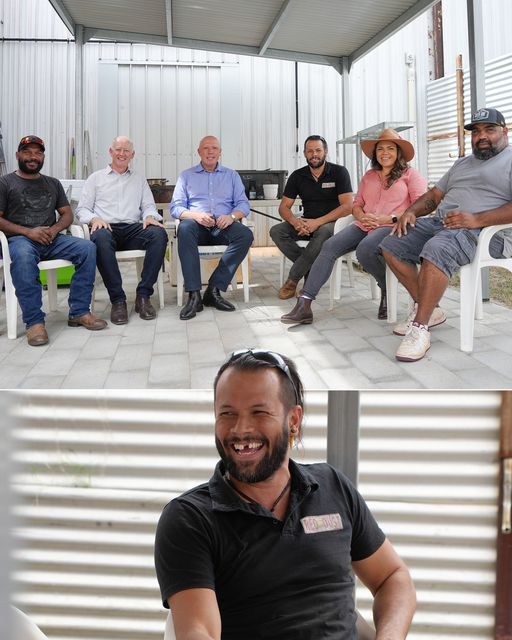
(319, 524)
(328, 185)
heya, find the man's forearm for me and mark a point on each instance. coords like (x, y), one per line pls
(501, 215)
(286, 214)
(425, 204)
(394, 605)
(340, 212)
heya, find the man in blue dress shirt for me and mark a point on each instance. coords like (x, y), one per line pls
(210, 202)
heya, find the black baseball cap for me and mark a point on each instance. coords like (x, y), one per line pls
(486, 115)
(26, 140)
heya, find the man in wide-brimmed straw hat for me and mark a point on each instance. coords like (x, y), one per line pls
(475, 193)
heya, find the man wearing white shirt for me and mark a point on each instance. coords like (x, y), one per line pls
(119, 207)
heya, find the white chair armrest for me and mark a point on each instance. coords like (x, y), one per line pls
(341, 223)
(485, 237)
(77, 230)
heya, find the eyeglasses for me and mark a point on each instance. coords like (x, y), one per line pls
(270, 357)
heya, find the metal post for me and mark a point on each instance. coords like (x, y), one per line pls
(346, 116)
(477, 81)
(343, 432)
(79, 100)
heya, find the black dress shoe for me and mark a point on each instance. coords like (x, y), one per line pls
(144, 308)
(194, 305)
(119, 313)
(212, 298)
(383, 307)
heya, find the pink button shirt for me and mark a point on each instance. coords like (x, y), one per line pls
(373, 197)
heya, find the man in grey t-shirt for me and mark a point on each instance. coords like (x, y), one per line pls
(475, 193)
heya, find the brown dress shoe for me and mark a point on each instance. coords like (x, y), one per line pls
(144, 308)
(89, 321)
(300, 314)
(36, 335)
(287, 290)
(119, 312)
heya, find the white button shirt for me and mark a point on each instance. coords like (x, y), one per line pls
(116, 197)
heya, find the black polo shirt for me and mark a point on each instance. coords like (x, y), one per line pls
(283, 580)
(318, 197)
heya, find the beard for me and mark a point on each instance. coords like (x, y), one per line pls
(314, 164)
(488, 152)
(30, 170)
(264, 469)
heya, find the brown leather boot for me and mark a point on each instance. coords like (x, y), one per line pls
(89, 321)
(300, 314)
(36, 335)
(287, 290)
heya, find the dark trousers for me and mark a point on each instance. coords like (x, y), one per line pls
(125, 237)
(285, 237)
(191, 234)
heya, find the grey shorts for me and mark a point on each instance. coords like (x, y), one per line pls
(447, 249)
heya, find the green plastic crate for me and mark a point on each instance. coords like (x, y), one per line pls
(64, 275)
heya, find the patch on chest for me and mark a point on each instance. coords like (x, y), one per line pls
(328, 185)
(319, 524)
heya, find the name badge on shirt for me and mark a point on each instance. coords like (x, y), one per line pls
(319, 524)
(328, 185)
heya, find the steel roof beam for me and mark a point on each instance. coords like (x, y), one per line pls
(397, 24)
(274, 27)
(64, 15)
(168, 17)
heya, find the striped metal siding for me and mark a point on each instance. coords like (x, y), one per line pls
(442, 112)
(95, 469)
(428, 468)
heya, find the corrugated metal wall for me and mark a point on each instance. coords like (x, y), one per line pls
(95, 469)
(442, 112)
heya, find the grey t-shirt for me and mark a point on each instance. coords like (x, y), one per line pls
(474, 186)
(31, 203)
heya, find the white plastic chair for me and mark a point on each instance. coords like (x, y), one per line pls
(136, 255)
(471, 306)
(349, 258)
(50, 266)
(210, 252)
(23, 628)
(471, 284)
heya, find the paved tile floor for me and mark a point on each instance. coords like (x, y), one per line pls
(346, 348)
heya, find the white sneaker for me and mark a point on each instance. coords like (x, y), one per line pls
(438, 316)
(415, 344)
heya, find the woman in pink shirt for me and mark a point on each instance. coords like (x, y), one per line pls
(385, 192)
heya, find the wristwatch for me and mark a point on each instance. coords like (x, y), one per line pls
(233, 217)
(394, 219)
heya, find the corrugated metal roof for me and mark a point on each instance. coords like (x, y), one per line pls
(323, 31)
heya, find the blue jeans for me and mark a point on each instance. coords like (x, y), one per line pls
(25, 254)
(191, 234)
(129, 236)
(349, 239)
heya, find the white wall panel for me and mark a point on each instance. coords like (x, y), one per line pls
(95, 469)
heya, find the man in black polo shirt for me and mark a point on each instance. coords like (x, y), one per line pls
(267, 547)
(326, 195)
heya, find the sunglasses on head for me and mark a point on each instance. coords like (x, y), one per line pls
(270, 357)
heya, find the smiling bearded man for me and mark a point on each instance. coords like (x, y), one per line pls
(267, 548)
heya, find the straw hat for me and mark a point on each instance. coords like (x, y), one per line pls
(389, 135)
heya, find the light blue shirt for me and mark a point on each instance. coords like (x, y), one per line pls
(116, 197)
(216, 192)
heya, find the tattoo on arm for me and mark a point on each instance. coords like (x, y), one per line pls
(430, 205)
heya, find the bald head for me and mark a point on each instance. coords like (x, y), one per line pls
(209, 151)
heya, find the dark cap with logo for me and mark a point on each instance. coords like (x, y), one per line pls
(486, 116)
(26, 140)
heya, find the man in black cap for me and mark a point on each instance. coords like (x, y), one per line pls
(28, 202)
(475, 193)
